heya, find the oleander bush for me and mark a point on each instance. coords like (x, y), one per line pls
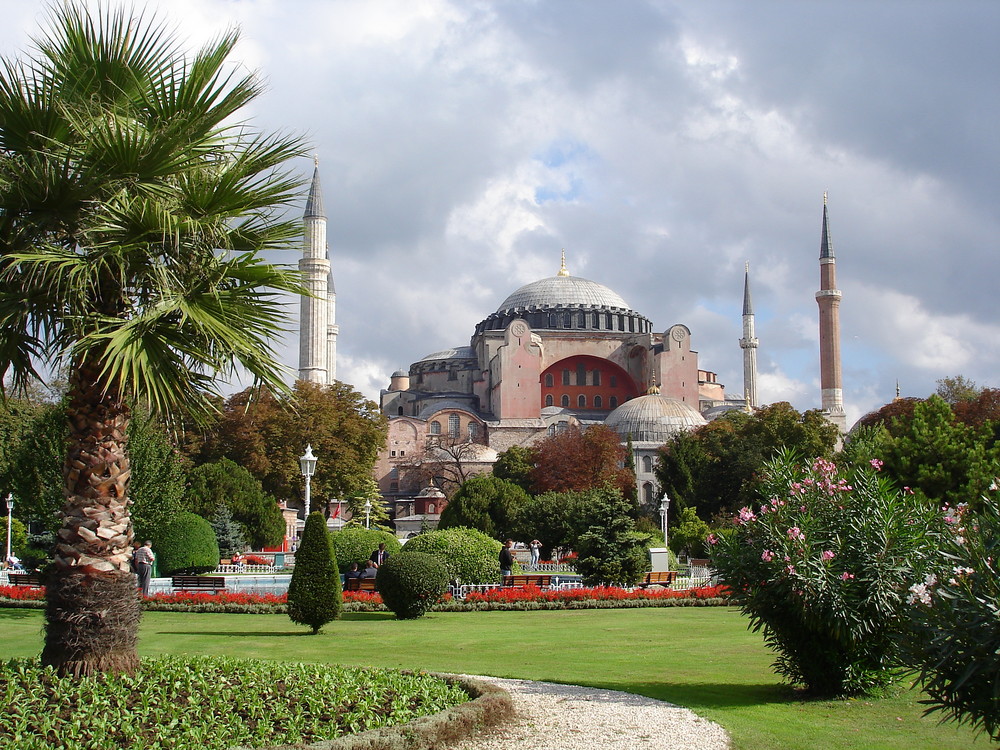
(209, 703)
(469, 556)
(314, 593)
(356, 544)
(955, 616)
(411, 583)
(186, 544)
(823, 565)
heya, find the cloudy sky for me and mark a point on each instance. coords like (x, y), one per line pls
(663, 144)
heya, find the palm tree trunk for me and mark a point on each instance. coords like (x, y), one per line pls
(92, 609)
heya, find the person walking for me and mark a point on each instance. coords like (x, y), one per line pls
(536, 550)
(142, 561)
(507, 558)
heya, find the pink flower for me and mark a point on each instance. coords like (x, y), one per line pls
(747, 515)
(828, 554)
(795, 533)
(846, 576)
(876, 464)
(712, 539)
(767, 555)
(790, 569)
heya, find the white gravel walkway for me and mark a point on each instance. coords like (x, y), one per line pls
(567, 717)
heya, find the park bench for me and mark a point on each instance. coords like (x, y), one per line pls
(25, 579)
(214, 584)
(657, 578)
(520, 581)
(360, 584)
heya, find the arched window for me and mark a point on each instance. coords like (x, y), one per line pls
(435, 428)
(549, 380)
(647, 464)
(647, 493)
(565, 401)
(399, 410)
(581, 401)
(581, 320)
(613, 402)
(552, 429)
(614, 381)
(548, 400)
(598, 403)
(597, 377)
(454, 425)
(565, 377)
(473, 430)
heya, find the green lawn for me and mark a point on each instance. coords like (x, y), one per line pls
(700, 657)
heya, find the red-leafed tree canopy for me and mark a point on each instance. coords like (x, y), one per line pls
(575, 459)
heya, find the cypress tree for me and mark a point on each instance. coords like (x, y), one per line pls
(314, 593)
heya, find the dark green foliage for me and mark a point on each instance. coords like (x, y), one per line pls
(357, 544)
(18, 536)
(609, 550)
(411, 583)
(226, 483)
(158, 475)
(186, 544)
(551, 518)
(822, 565)
(228, 533)
(714, 468)
(485, 503)
(314, 593)
(955, 636)
(515, 465)
(32, 451)
(468, 555)
(301, 704)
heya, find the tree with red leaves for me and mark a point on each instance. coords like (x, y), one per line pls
(575, 459)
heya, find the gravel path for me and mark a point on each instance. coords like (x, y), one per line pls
(567, 717)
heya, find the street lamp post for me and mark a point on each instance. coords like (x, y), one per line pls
(10, 516)
(308, 465)
(368, 513)
(664, 508)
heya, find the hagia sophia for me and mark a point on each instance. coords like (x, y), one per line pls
(559, 351)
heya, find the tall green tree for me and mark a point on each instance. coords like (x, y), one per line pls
(133, 217)
(158, 475)
(225, 483)
(609, 550)
(485, 503)
(314, 593)
(515, 465)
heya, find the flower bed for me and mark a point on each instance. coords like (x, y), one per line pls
(526, 598)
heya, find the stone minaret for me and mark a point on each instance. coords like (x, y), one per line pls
(828, 298)
(315, 323)
(332, 329)
(749, 346)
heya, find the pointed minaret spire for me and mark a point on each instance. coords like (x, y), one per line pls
(749, 344)
(315, 310)
(828, 299)
(562, 267)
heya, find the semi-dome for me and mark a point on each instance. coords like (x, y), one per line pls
(653, 418)
(458, 352)
(563, 291)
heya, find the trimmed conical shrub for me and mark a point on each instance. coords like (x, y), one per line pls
(314, 597)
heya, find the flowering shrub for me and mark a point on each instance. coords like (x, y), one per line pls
(510, 595)
(22, 593)
(256, 560)
(956, 621)
(824, 567)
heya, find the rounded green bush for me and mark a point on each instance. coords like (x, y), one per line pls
(186, 544)
(314, 593)
(356, 545)
(411, 583)
(469, 555)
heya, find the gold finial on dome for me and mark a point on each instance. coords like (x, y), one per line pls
(562, 269)
(654, 390)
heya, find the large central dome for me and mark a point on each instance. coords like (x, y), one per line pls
(563, 291)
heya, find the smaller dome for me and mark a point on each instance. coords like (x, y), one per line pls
(653, 418)
(401, 374)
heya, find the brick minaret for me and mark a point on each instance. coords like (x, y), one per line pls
(314, 316)
(749, 346)
(828, 299)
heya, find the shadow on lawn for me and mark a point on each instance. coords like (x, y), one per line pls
(696, 695)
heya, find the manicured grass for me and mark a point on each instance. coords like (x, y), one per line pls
(700, 657)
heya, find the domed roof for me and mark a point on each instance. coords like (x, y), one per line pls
(400, 374)
(561, 291)
(653, 418)
(459, 352)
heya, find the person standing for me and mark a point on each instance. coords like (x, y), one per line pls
(507, 558)
(379, 556)
(142, 560)
(536, 551)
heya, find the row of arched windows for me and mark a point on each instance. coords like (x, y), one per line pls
(455, 428)
(581, 401)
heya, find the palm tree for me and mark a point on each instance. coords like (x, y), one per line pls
(134, 211)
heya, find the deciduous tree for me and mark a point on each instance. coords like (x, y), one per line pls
(485, 503)
(575, 459)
